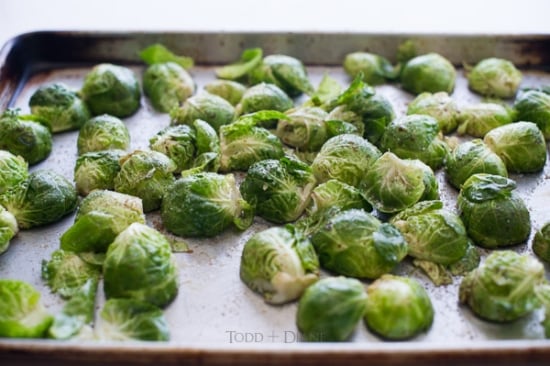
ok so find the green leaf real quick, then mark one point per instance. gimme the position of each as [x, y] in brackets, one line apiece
[157, 53]
[250, 58]
[437, 273]
[328, 89]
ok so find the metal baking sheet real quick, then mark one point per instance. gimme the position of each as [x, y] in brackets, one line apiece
[215, 318]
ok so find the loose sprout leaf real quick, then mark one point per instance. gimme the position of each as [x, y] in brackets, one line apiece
[356, 93]
[250, 58]
[328, 89]
[158, 53]
[178, 245]
[484, 187]
[437, 273]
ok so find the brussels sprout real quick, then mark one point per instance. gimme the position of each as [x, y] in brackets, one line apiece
[470, 158]
[101, 216]
[111, 89]
[123, 319]
[204, 106]
[279, 263]
[205, 204]
[147, 175]
[287, 72]
[493, 214]
[534, 106]
[243, 143]
[541, 243]
[22, 136]
[157, 54]
[333, 193]
[45, 197]
[398, 308]
[304, 129]
[502, 288]
[428, 73]
[139, 265]
[8, 228]
[22, 315]
[439, 106]
[520, 145]
[178, 143]
[227, 89]
[345, 158]
[103, 133]
[264, 97]
[356, 244]
[13, 170]
[467, 263]
[375, 69]
[415, 137]
[494, 77]
[478, 119]
[330, 309]
[167, 85]
[250, 58]
[342, 113]
[432, 233]
[97, 170]
[58, 107]
[278, 189]
[393, 184]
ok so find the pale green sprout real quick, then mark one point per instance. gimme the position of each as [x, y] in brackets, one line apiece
[210, 108]
[304, 128]
[97, 170]
[8, 228]
[262, 97]
[103, 132]
[227, 89]
[374, 68]
[13, 170]
[534, 106]
[439, 106]
[541, 242]
[478, 119]
[428, 73]
[494, 77]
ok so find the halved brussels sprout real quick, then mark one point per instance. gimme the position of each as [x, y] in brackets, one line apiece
[262, 97]
[60, 108]
[356, 244]
[534, 106]
[147, 175]
[103, 133]
[478, 119]
[398, 308]
[375, 68]
[167, 85]
[204, 106]
[541, 243]
[428, 73]
[280, 189]
[520, 145]
[8, 228]
[178, 143]
[346, 158]
[494, 215]
[305, 128]
[22, 315]
[227, 89]
[470, 158]
[13, 170]
[205, 204]
[139, 265]
[330, 309]
[439, 106]
[111, 89]
[494, 77]
[502, 288]
[45, 197]
[97, 170]
[279, 263]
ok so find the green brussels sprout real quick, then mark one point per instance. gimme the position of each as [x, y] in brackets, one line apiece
[375, 69]
[520, 145]
[393, 184]
[65, 273]
[204, 106]
[58, 107]
[398, 308]
[22, 315]
[280, 189]
[101, 216]
[428, 73]
[243, 143]
[502, 288]
[103, 133]
[534, 106]
[139, 265]
[494, 77]
[129, 319]
[470, 158]
[111, 89]
[467, 263]
[287, 72]
[493, 214]
[330, 309]
[305, 128]
[45, 197]
[541, 243]
[415, 137]
[227, 89]
[478, 119]
[346, 158]
[205, 204]
[8, 228]
[178, 143]
[279, 263]
[336, 194]
[13, 170]
[262, 97]
[167, 85]
[432, 233]
[97, 170]
[356, 244]
[342, 113]
[147, 175]
[23, 136]
[439, 106]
